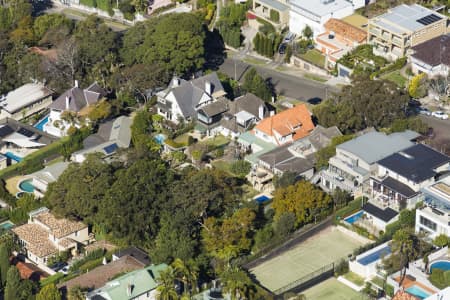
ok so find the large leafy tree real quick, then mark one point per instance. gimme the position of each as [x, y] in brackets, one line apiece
[303, 199]
[4, 263]
[49, 292]
[166, 288]
[174, 42]
[12, 289]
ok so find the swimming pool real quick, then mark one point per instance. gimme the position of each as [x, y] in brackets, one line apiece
[418, 292]
[7, 225]
[372, 257]
[14, 157]
[26, 186]
[262, 199]
[160, 138]
[355, 217]
[442, 264]
[40, 125]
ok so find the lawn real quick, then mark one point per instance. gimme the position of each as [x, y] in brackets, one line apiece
[315, 57]
[223, 165]
[355, 278]
[324, 248]
[331, 289]
[216, 142]
[396, 77]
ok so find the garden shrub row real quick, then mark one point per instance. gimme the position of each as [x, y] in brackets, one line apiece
[352, 207]
[397, 65]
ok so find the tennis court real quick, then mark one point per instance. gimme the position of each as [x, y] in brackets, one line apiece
[331, 289]
[322, 249]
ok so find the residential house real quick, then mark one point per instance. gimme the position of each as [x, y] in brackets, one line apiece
[45, 236]
[376, 218]
[338, 39]
[298, 157]
[137, 285]
[285, 127]
[134, 252]
[98, 277]
[400, 176]
[17, 140]
[182, 99]
[233, 117]
[42, 178]
[268, 9]
[76, 102]
[315, 13]
[403, 27]
[432, 57]
[25, 101]
[433, 217]
[111, 136]
[356, 159]
[367, 263]
[3, 161]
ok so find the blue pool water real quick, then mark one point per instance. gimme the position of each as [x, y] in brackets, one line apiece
[353, 218]
[13, 156]
[262, 199]
[418, 292]
[443, 265]
[26, 186]
[374, 256]
[40, 125]
[160, 138]
[7, 225]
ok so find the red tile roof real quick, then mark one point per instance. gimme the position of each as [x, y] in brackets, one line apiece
[346, 30]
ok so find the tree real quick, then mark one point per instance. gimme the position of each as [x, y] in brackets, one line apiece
[101, 111]
[340, 197]
[12, 289]
[285, 224]
[166, 288]
[303, 199]
[241, 168]
[237, 283]
[76, 293]
[256, 84]
[288, 178]
[4, 263]
[307, 32]
[417, 87]
[49, 292]
[441, 240]
[186, 273]
[405, 246]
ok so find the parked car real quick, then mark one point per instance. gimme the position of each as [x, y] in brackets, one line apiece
[58, 266]
[440, 115]
[424, 111]
[339, 178]
[282, 48]
[64, 270]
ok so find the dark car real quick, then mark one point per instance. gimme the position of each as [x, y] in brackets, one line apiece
[282, 48]
[58, 266]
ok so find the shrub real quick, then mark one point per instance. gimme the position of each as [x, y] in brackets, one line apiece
[440, 278]
[389, 290]
[352, 207]
[240, 168]
[90, 265]
[274, 16]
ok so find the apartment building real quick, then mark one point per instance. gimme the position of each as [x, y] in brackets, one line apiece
[403, 27]
[434, 217]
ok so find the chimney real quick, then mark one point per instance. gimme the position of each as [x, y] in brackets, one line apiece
[208, 87]
[67, 102]
[76, 83]
[129, 289]
[176, 81]
[261, 112]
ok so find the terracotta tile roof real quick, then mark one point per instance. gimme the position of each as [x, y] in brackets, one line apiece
[29, 271]
[36, 238]
[99, 276]
[295, 120]
[59, 227]
[67, 242]
[346, 30]
[402, 295]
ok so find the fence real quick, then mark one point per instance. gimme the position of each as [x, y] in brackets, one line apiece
[306, 281]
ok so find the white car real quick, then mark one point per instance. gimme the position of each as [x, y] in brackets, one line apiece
[440, 115]
[424, 111]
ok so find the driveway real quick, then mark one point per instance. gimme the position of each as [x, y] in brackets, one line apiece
[441, 139]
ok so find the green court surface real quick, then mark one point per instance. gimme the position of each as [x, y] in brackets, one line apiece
[331, 289]
[324, 248]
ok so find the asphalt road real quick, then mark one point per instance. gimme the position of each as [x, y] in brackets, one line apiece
[285, 84]
[441, 129]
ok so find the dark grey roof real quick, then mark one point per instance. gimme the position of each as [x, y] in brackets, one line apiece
[214, 108]
[78, 98]
[385, 215]
[283, 160]
[16, 126]
[321, 137]
[434, 52]
[138, 254]
[100, 137]
[250, 103]
[417, 163]
[374, 146]
[399, 187]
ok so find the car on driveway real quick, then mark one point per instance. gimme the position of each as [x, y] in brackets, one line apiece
[282, 48]
[424, 111]
[58, 266]
[440, 115]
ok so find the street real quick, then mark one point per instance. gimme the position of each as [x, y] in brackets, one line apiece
[285, 84]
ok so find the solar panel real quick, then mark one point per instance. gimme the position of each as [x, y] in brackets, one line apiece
[5, 130]
[111, 148]
[430, 19]
[25, 132]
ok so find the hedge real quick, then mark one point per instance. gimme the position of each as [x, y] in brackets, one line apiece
[55, 278]
[397, 65]
[352, 207]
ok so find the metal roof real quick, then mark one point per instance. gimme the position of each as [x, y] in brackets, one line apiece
[24, 96]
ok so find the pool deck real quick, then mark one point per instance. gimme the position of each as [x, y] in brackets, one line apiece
[12, 184]
[407, 283]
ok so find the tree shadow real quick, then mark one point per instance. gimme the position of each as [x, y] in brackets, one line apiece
[40, 6]
[214, 50]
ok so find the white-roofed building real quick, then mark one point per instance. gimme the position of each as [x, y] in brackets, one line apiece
[25, 101]
[315, 13]
[42, 178]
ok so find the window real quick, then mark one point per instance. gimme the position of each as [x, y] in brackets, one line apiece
[427, 223]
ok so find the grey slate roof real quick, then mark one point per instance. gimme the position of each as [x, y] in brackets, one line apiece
[399, 187]
[321, 137]
[214, 108]
[250, 103]
[416, 163]
[136, 253]
[434, 52]
[78, 98]
[374, 146]
[385, 215]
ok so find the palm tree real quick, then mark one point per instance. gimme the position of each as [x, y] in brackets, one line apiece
[406, 246]
[236, 282]
[186, 273]
[166, 288]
